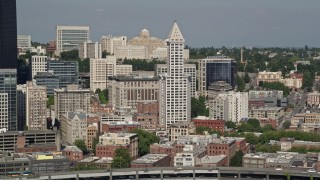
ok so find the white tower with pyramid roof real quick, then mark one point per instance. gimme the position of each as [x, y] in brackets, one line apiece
[175, 86]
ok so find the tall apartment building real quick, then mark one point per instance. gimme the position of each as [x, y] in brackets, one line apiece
[109, 142]
[24, 41]
[265, 76]
[151, 43]
[230, 106]
[101, 69]
[71, 99]
[8, 99]
[74, 127]
[67, 71]
[49, 80]
[109, 43]
[213, 69]
[36, 106]
[70, 37]
[90, 50]
[38, 64]
[188, 69]
[175, 87]
[126, 91]
[21, 105]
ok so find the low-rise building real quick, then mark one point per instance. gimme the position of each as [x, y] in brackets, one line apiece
[265, 76]
[43, 163]
[117, 127]
[216, 125]
[212, 161]
[103, 163]
[152, 160]
[190, 155]
[147, 115]
[297, 119]
[313, 99]
[225, 146]
[109, 142]
[73, 153]
[181, 129]
[13, 163]
[312, 118]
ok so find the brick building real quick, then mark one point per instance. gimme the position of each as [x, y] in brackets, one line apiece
[222, 146]
[216, 125]
[109, 142]
[73, 153]
[147, 115]
[117, 127]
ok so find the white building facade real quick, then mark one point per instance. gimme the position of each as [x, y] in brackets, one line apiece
[90, 50]
[175, 86]
[38, 64]
[109, 43]
[70, 37]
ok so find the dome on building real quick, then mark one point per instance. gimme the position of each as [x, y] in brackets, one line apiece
[144, 33]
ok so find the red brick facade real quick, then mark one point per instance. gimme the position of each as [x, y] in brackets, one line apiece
[217, 125]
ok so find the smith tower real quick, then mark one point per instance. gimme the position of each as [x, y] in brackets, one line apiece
[175, 103]
[8, 64]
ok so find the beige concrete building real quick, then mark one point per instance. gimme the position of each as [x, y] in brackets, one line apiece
[267, 112]
[90, 50]
[109, 43]
[265, 76]
[292, 82]
[126, 91]
[92, 132]
[312, 118]
[38, 64]
[180, 130]
[101, 69]
[36, 106]
[109, 142]
[131, 52]
[73, 127]
[146, 40]
[71, 99]
[313, 99]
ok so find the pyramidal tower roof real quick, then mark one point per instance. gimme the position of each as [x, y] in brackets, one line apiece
[175, 33]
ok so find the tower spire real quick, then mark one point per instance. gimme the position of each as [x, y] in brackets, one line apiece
[175, 33]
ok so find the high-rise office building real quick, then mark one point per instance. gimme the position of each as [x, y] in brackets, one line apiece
[24, 41]
[213, 69]
[21, 105]
[49, 80]
[70, 37]
[38, 64]
[36, 107]
[8, 34]
[67, 71]
[175, 86]
[8, 99]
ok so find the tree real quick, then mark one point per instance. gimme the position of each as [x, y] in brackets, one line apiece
[251, 138]
[267, 127]
[67, 55]
[246, 78]
[122, 158]
[98, 91]
[81, 145]
[201, 129]
[275, 86]
[231, 124]
[240, 84]
[198, 107]
[286, 124]
[50, 101]
[105, 54]
[146, 138]
[95, 141]
[236, 160]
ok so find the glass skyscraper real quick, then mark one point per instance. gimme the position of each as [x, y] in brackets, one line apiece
[67, 71]
[8, 34]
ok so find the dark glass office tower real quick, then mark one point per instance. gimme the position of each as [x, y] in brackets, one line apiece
[8, 34]
[221, 70]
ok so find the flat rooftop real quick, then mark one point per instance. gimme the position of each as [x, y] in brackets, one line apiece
[149, 158]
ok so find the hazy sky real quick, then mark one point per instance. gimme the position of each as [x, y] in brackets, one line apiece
[285, 23]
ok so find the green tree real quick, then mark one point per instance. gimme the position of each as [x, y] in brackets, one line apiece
[50, 101]
[105, 54]
[201, 129]
[67, 55]
[122, 158]
[236, 160]
[95, 141]
[81, 145]
[251, 138]
[146, 138]
[98, 91]
[267, 127]
[300, 150]
[231, 124]
[286, 124]
[276, 86]
[240, 84]
[198, 107]
[267, 148]
[246, 78]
